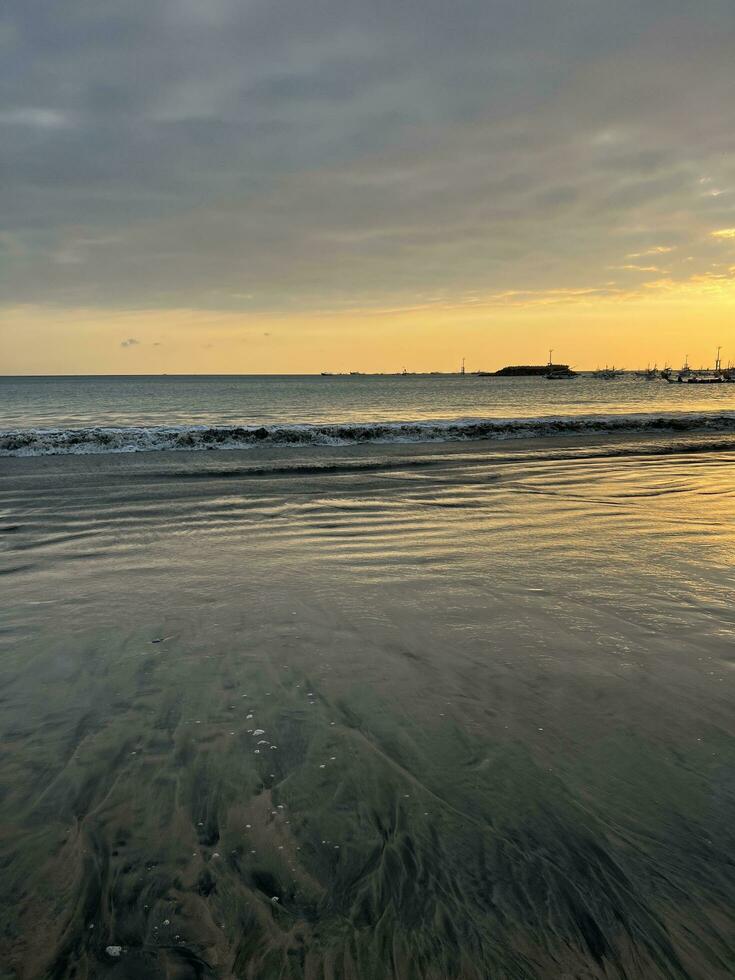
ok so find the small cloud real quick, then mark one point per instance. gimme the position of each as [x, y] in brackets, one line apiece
[74, 251]
[266, 334]
[656, 250]
[661, 284]
[157, 343]
[639, 268]
[723, 233]
[35, 118]
[68, 255]
[130, 342]
[609, 137]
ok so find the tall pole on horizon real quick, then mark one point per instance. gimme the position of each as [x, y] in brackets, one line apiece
[551, 351]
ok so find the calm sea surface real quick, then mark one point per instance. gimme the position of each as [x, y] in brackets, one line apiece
[234, 400]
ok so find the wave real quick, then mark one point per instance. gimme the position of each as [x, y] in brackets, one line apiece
[133, 439]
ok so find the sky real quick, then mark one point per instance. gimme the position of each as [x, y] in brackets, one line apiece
[244, 186]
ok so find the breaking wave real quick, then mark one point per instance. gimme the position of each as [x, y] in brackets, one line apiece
[132, 439]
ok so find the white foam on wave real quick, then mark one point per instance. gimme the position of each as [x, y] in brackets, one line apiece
[134, 439]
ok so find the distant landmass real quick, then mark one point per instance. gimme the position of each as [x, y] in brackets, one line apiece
[523, 370]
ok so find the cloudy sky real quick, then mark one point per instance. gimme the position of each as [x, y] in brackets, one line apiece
[305, 184]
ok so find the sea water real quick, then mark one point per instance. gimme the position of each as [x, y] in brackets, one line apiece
[50, 415]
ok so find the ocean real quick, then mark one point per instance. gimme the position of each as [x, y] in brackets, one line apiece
[51, 415]
[434, 681]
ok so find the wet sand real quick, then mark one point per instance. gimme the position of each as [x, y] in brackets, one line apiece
[387, 712]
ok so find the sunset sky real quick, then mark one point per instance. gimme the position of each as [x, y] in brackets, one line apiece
[250, 186]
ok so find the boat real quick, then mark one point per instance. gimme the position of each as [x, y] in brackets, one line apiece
[717, 376]
[727, 374]
[698, 378]
[606, 373]
[701, 379]
[560, 372]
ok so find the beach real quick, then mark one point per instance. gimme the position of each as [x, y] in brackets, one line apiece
[448, 711]
[367, 491]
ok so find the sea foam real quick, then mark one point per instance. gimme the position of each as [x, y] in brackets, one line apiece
[133, 439]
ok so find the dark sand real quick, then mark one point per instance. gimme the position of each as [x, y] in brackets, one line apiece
[416, 712]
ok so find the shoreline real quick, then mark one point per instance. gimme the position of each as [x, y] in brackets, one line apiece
[134, 439]
[316, 457]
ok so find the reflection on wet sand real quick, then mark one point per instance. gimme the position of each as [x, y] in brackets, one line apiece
[419, 715]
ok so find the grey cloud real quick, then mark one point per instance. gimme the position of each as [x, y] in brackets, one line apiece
[130, 342]
[35, 118]
[274, 155]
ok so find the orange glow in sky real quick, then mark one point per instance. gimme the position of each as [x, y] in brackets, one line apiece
[295, 187]
[661, 324]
